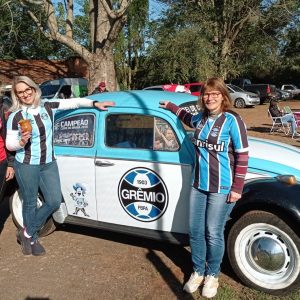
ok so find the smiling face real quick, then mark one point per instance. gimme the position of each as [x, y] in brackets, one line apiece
[213, 101]
[215, 97]
[169, 134]
[25, 93]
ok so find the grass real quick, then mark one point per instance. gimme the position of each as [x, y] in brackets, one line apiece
[228, 292]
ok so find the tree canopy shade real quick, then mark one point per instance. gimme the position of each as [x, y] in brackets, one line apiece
[19, 37]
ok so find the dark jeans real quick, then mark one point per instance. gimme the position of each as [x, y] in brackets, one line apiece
[3, 167]
[30, 178]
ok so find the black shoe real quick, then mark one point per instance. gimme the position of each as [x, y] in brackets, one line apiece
[24, 242]
[37, 249]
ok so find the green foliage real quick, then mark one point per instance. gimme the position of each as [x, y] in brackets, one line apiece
[130, 45]
[198, 39]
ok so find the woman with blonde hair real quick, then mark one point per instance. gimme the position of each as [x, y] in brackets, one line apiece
[35, 164]
[221, 160]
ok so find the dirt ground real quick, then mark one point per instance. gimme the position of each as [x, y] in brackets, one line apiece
[84, 263]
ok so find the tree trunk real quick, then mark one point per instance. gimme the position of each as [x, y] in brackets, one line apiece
[101, 68]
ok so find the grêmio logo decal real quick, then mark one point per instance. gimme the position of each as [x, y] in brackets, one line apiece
[143, 194]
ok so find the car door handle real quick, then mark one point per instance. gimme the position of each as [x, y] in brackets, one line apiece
[103, 163]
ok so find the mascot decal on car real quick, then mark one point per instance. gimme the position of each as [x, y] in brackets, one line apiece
[79, 197]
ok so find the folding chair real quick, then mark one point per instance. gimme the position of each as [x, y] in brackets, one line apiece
[287, 110]
[279, 125]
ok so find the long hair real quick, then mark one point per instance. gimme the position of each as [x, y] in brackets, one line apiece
[273, 103]
[16, 103]
[215, 84]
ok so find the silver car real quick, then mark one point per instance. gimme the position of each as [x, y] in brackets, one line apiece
[242, 98]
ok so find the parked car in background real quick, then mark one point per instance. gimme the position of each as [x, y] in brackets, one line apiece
[195, 88]
[5, 96]
[241, 98]
[64, 88]
[178, 88]
[118, 175]
[284, 95]
[292, 89]
[265, 91]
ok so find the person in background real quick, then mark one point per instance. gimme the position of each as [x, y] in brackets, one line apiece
[101, 88]
[275, 111]
[221, 160]
[35, 164]
[6, 157]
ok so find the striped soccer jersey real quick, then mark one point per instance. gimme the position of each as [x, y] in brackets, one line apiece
[39, 149]
[218, 143]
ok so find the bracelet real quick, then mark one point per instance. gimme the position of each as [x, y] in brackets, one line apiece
[94, 102]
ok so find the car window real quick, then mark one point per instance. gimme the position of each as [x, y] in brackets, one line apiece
[236, 88]
[49, 90]
[76, 131]
[65, 92]
[195, 88]
[140, 132]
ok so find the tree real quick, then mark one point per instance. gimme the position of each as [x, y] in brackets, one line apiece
[130, 45]
[17, 39]
[232, 37]
[106, 20]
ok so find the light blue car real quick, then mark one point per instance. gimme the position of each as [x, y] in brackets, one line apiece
[129, 169]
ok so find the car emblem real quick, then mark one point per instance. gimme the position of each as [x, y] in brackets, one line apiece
[143, 194]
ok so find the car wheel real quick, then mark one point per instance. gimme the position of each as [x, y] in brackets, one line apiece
[239, 103]
[16, 212]
[265, 253]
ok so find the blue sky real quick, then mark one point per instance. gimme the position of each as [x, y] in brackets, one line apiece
[155, 8]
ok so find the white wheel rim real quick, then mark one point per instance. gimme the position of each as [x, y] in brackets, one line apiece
[17, 207]
[278, 278]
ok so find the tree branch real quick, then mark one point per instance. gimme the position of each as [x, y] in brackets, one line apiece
[115, 14]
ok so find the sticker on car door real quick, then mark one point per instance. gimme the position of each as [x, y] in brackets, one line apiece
[143, 194]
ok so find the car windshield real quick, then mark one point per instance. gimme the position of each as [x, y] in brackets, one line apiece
[236, 88]
[49, 90]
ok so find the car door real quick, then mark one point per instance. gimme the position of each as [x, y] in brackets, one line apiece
[75, 147]
[143, 170]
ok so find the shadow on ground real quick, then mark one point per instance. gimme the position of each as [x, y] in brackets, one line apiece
[259, 129]
[179, 255]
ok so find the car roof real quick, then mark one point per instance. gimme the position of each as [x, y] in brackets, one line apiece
[153, 86]
[66, 80]
[143, 98]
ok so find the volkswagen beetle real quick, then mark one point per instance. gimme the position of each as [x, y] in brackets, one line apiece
[118, 174]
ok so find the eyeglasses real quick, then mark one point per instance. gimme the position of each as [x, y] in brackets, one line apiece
[27, 91]
[212, 95]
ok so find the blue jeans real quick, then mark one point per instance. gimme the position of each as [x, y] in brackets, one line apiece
[30, 178]
[208, 215]
[291, 119]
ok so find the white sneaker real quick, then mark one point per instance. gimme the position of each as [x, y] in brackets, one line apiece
[296, 135]
[193, 283]
[210, 287]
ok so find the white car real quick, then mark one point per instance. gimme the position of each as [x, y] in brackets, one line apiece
[291, 88]
[242, 98]
[177, 88]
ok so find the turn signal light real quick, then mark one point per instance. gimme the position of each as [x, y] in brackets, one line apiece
[289, 179]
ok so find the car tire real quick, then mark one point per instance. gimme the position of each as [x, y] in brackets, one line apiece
[15, 204]
[249, 245]
[239, 103]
